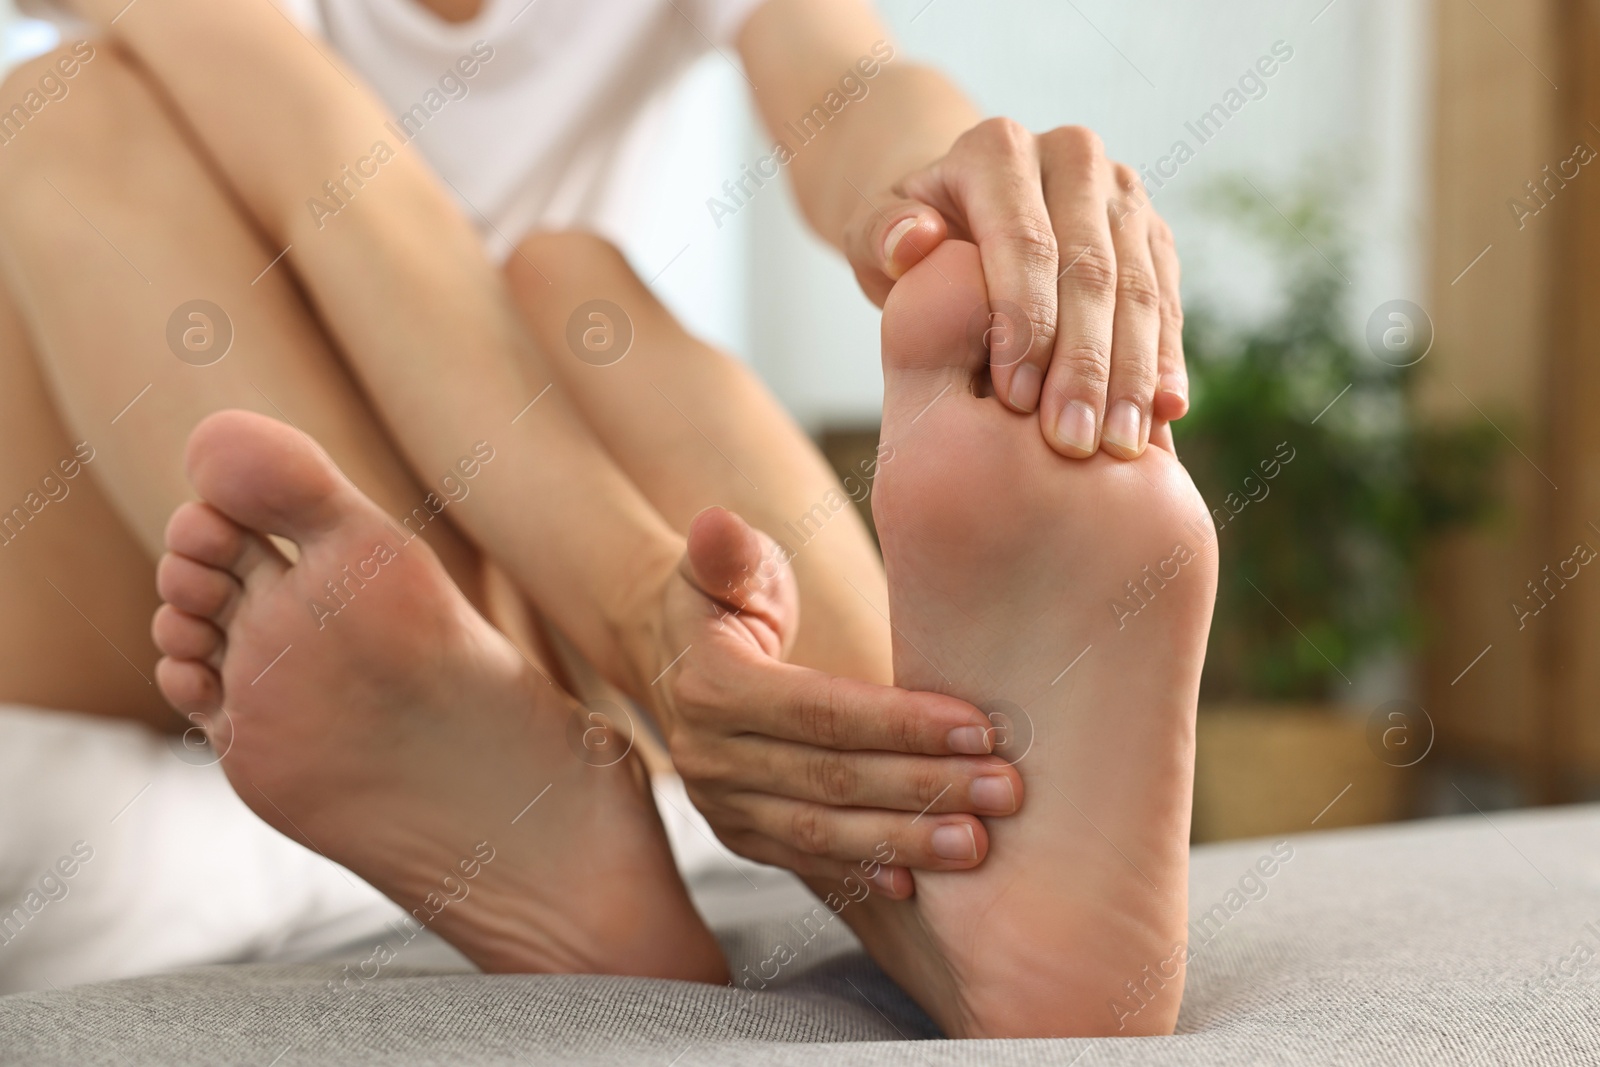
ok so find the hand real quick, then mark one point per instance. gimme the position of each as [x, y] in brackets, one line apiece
[1070, 240]
[794, 767]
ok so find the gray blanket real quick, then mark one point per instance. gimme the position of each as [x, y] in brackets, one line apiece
[1453, 941]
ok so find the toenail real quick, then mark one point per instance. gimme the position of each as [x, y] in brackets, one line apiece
[1122, 427]
[1075, 427]
[969, 741]
[1025, 386]
[993, 793]
[955, 842]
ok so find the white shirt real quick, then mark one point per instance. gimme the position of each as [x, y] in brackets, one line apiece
[553, 127]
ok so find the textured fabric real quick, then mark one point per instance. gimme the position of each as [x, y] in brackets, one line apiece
[135, 856]
[123, 853]
[1457, 941]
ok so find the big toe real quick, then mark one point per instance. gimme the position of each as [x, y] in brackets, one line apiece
[265, 475]
[725, 554]
[937, 321]
[734, 562]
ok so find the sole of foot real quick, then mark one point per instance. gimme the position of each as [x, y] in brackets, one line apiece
[1071, 599]
[363, 707]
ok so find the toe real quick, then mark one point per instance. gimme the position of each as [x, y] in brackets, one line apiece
[266, 476]
[938, 321]
[731, 561]
[204, 535]
[183, 636]
[197, 589]
[189, 686]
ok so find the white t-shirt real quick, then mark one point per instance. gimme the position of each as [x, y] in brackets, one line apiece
[540, 114]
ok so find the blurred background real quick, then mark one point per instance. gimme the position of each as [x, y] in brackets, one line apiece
[1387, 353]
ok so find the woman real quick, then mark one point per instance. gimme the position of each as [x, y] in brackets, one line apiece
[174, 152]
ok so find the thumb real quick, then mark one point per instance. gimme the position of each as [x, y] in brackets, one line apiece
[746, 572]
[889, 239]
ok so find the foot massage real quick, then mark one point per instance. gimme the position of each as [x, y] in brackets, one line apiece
[424, 647]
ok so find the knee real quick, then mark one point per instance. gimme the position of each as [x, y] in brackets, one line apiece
[554, 273]
[77, 104]
[574, 244]
[580, 257]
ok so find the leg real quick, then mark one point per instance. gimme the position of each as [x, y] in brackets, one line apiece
[430, 329]
[73, 555]
[446, 783]
[1006, 564]
[423, 319]
[429, 758]
[552, 517]
[693, 428]
[109, 222]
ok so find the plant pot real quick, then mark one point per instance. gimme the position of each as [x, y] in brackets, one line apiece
[1268, 769]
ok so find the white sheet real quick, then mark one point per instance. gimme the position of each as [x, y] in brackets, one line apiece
[169, 869]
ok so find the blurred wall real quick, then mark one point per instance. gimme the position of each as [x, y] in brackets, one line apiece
[19, 38]
[1513, 674]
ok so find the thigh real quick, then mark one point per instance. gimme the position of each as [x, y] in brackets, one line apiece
[153, 302]
[693, 427]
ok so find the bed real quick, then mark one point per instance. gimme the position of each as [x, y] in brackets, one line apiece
[1472, 939]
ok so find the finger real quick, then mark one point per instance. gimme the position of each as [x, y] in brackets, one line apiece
[978, 785]
[886, 240]
[1161, 436]
[849, 880]
[1172, 388]
[1076, 184]
[1136, 330]
[930, 843]
[990, 182]
[838, 884]
[830, 712]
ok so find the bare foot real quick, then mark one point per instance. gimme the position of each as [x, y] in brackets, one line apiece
[365, 709]
[1009, 585]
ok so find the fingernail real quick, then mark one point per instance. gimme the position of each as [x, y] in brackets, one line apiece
[1026, 383]
[993, 793]
[1122, 427]
[884, 880]
[1075, 427]
[896, 234]
[969, 741]
[955, 842]
[1173, 385]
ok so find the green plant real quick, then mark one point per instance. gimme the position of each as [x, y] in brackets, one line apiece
[1323, 512]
